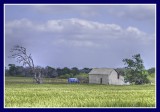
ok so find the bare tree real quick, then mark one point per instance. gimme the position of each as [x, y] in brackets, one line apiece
[20, 54]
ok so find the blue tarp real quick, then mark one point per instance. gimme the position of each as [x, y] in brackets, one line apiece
[73, 80]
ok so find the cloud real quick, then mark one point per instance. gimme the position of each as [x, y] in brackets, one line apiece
[69, 39]
[77, 30]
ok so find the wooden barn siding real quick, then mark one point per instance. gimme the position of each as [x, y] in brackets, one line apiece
[95, 79]
[121, 81]
[114, 80]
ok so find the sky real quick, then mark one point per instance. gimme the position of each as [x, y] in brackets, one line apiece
[81, 36]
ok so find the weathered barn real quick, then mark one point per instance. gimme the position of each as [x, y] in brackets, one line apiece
[106, 76]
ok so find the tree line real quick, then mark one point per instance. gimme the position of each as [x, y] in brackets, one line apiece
[48, 71]
[131, 75]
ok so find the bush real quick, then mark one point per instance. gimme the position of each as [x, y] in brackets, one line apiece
[66, 76]
[82, 77]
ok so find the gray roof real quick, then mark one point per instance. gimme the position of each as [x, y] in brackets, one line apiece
[101, 71]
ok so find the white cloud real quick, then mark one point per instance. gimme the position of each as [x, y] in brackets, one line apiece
[134, 31]
[78, 32]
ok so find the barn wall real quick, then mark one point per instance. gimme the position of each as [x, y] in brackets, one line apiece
[114, 80]
[96, 78]
[105, 79]
[121, 80]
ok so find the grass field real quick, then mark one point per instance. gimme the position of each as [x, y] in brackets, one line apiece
[21, 92]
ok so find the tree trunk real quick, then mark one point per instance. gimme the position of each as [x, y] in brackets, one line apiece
[38, 78]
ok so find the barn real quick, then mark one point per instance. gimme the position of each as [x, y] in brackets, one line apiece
[106, 76]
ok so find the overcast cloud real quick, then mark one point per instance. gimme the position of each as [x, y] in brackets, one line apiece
[83, 35]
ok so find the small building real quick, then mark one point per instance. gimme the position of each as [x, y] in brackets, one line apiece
[106, 76]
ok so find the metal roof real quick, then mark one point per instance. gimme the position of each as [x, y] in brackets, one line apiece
[101, 71]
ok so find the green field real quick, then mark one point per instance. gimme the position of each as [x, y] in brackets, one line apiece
[21, 92]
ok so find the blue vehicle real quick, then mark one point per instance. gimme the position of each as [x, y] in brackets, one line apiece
[73, 80]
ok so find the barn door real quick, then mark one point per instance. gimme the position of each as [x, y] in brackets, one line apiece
[100, 80]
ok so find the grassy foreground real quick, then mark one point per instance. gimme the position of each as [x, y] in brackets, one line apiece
[19, 93]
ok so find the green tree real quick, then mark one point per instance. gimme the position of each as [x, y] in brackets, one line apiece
[50, 72]
[151, 73]
[75, 71]
[20, 71]
[65, 70]
[135, 72]
[12, 69]
[6, 71]
[151, 70]
[66, 76]
[82, 77]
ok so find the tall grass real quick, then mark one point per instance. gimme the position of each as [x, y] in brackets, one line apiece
[77, 95]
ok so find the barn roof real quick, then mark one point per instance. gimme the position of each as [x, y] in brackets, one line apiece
[101, 71]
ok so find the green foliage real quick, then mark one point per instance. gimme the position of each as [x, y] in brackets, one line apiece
[47, 71]
[151, 77]
[50, 72]
[136, 63]
[135, 72]
[74, 71]
[83, 77]
[66, 76]
[77, 95]
[12, 69]
[151, 70]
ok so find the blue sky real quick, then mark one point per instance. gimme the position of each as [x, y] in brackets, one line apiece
[81, 35]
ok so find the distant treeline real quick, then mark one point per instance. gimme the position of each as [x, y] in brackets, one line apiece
[52, 72]
[47, 71]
